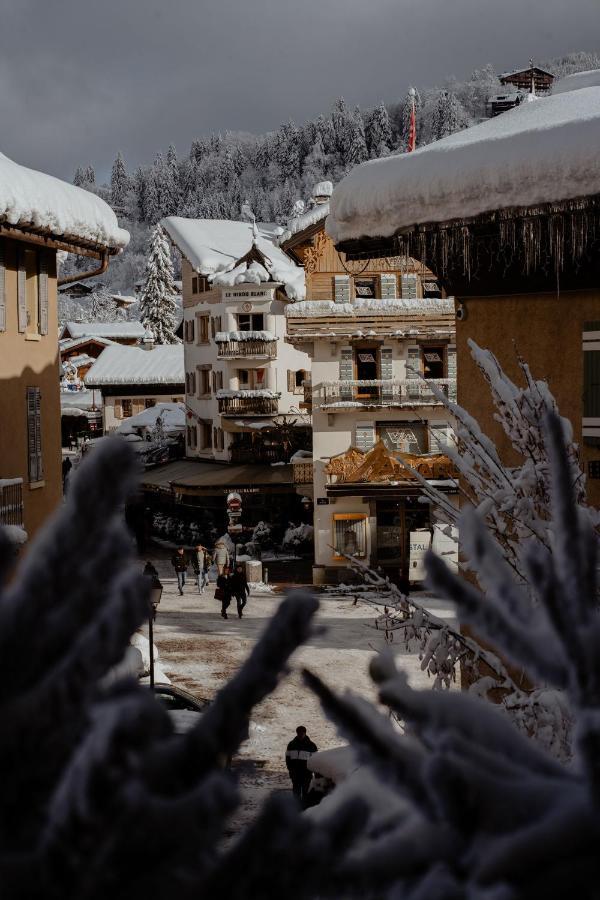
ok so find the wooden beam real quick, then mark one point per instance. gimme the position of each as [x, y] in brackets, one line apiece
[44, 238]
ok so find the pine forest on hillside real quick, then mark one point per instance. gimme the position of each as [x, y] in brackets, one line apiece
[273, 172]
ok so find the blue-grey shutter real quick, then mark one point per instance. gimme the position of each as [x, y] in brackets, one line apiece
[438, 437]
[342, 288]
[451, 367]
[365, 436]
[409, 287]
[34, 433]
[2, 289]
[413, 370]
[591, 384]
[22, 294]
[43, 293]
[388, 287]
[386, 374]
[346, 372]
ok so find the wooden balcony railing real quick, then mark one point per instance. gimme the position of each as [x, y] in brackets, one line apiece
[257, 349]
[357, 394]
[241, 405]
[11, 501]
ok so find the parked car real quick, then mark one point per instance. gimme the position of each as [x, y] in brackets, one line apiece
[184, 708]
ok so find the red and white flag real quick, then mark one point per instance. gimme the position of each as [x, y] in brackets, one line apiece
[412, 128]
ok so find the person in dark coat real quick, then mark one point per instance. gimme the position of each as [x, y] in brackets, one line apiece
[179, 563]
[223, 590]
[239, 588]
[297, 755]
[67, 465]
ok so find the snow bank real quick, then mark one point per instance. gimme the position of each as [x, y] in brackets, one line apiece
[134, 365]
[35, 200]
[578, 80]
[110, 330]
[536, 153]
[214, 248]
[15, 534]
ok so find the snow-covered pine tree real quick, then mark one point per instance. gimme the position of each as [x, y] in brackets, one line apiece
[378, 132]
[287, 150]
[171, 192]
[103, 307]
[157, 303]
[356, 148]
[119, 182]
[341, 122]
[449, 116]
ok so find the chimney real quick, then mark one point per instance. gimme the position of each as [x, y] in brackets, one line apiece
[148, 340]
[322, 192]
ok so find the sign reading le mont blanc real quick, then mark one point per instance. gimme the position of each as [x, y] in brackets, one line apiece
[258, 294]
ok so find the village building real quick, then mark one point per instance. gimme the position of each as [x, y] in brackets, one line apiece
[244, 383]
[520, 86]
[380, 335]
[126, 333]
[39, 215]
[131, 379]
[508, 215]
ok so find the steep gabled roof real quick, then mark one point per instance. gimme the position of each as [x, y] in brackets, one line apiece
[134, 365]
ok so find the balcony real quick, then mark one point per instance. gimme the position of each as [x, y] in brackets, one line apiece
[246, 345]
[11, 501]
[383, 394]
[247, 403]
[243, 454]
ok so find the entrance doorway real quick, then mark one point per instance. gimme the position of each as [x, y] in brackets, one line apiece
[396, 519]
[366, 368]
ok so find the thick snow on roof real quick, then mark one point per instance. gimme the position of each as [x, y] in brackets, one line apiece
[33, 199]
[575, 82]
[65, 344]
[134, 365]
[425, 306]
[112, 330]
[316, 214]
[214, 246]
[536, 153]
[172, 416]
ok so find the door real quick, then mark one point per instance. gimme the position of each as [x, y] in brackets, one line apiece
[366, 369]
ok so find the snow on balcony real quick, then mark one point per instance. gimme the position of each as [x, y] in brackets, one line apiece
[353, 394]
[423, 306]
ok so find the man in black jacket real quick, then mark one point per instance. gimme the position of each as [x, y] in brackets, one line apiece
[297, 755]
[180, 564]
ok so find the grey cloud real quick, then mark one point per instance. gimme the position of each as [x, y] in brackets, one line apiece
[79, 81]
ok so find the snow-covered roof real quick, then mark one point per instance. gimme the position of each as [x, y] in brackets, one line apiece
[112, 330]
[316, 214]
[420, 306]
[172, 416]
[34, 200]
[323, 189]
[123, 298]
[525, 71]
[575, 82]
[80, 401]
[215, 246]
[533, 154]
[135, 365]
[70, 343]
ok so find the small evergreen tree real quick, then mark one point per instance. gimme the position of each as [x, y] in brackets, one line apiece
[449, 116]
[119, 182]
[378, 132]
[103, 307]
[355, 150]
[157, 305]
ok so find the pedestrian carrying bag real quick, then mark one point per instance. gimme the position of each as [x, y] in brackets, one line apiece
[219, 594]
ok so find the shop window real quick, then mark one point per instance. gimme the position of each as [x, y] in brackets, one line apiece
[192, 437]
[349, 535]
[433, 362]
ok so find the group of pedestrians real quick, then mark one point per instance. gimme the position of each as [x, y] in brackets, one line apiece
[230, 583]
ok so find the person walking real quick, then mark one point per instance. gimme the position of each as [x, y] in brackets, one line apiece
[200, 559]
[239, 588]
[179, 563]
[223, 591]
[298, 752]
[221, 557]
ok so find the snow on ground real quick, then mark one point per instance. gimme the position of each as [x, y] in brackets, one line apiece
[541, 152]
[201, 651]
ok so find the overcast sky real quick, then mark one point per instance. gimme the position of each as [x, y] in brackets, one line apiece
[81, 80]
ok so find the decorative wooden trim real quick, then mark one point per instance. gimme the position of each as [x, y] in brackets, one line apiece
[315, 252]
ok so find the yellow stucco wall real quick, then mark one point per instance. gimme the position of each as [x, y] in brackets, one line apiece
[30, 363]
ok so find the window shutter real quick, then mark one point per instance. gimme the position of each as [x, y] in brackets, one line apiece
[409, 287]
[591, 384]
[342, 288]
[43, 293]
[451, 372]
[213, 328]
[413, 369]
[365, 436]
[386, 374]
[439, 439]
[291, 381]
[388, 287]
[22, 293]
[346, 372]
[2, 290]
[34, 433]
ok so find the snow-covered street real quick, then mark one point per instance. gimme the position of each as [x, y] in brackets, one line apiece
[200, 651]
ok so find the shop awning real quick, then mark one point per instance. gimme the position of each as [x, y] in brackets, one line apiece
[188, 476]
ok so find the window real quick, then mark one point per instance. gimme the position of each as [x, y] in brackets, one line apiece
[32, 299]
[364, 288]
[295, 381]
[126, 408]
[149, 402]
[243, 377]
[192, 437]
[190, 383]
[433, 362]
[350, 535]
[34, 434]
[189, 331]
[251, 322]
[203, 326]
[204, 384]
[220, 439]
[194, 284]
[409, 287]
[206, 436]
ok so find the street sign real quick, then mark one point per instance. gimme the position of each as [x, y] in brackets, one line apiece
[322, 501]
[234, 529]
[234, 514]
[234, 506]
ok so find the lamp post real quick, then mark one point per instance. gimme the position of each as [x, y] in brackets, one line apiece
[155, 595]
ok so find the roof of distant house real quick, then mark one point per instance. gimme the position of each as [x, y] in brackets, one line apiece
[540, 152]
[172, 416]
[216, 247]
[135, 365]
[88, 287]
[65, 344]
[312, 216]
[113, 330]
[39, 202]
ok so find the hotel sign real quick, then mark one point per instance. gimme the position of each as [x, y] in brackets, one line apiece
[248, 294]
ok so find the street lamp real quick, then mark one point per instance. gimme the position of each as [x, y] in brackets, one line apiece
[155, 595]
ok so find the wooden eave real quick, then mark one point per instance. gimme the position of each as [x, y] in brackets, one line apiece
[43, 237]
[302, 237]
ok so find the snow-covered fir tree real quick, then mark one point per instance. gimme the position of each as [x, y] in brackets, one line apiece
[449, 116]
[356, 147]
[378, 132]
[119, 182]
[103, 307]
[157, 304]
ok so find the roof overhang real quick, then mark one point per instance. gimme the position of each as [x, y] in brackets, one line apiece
[44, 238]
